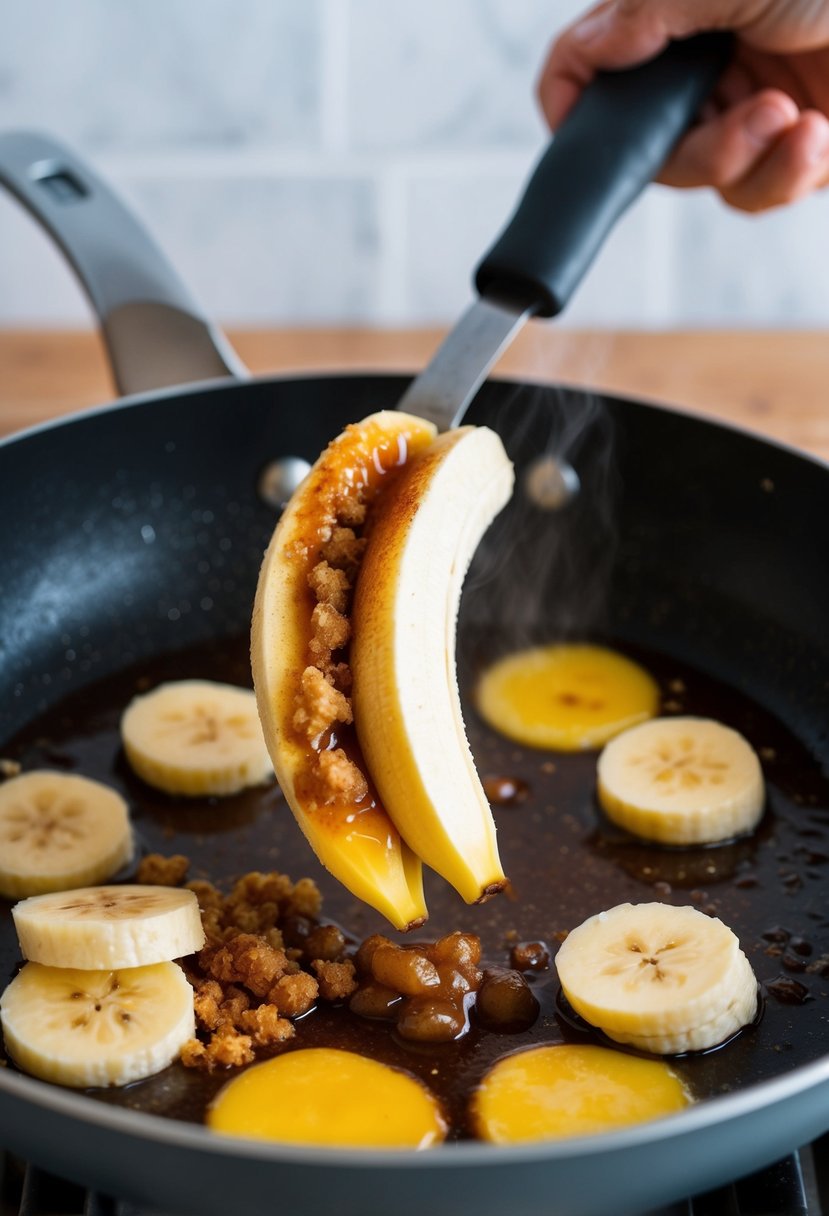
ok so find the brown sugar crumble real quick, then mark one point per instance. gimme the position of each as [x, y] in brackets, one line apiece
[268, 960]
[158, 871]
[322, 700]
[253, 975]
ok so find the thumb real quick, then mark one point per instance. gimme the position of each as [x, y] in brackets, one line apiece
[621, 33]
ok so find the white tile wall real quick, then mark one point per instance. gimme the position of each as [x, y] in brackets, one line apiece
[329, 161]
[165, 75]
[446, 74]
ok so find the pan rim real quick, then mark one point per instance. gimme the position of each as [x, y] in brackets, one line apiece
[224, 384]
[138, 1125]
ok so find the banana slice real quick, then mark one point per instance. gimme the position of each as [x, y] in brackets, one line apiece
[681, 781]
[109, 927]
[660, 978]
[197, 738]
[82, 1028]
[299, 640]
[566, 697]
[59, 831]
[407, 709]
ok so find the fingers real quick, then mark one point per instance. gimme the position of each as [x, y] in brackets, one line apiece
[620, 33]
[762, 153]
[726, 149]
[797, 164]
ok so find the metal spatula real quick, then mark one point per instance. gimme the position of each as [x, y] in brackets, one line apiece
[610, 147]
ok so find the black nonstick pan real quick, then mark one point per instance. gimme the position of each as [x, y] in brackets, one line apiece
[131, 546]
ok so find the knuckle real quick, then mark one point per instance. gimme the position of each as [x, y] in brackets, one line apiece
[632, 9]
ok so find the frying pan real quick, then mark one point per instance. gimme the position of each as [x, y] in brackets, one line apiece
[135, 532]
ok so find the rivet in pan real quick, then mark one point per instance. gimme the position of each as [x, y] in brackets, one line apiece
[280, 478]
[550, 482]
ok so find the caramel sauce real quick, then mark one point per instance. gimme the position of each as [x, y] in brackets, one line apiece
[505, 791]
[565, 862]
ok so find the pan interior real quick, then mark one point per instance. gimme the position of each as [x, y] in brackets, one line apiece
[681, 550]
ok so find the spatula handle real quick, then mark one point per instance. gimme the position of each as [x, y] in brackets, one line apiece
[610, 147]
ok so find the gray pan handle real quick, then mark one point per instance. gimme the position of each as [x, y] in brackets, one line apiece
[155, 333]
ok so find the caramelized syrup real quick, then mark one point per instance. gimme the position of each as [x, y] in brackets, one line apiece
[564, 860]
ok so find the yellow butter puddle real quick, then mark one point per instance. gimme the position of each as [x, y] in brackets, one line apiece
[324, 1096]
[566, 697]
[550, 1093]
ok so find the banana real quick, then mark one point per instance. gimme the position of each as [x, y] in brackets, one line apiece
[82, 1028]
[566, 697]
[406, 704]
[299, 635]
[109, 927]
[661, 978]
[681, 781]
[59, 831]
[197, 738]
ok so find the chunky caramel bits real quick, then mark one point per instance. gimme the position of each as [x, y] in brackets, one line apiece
[425, 990]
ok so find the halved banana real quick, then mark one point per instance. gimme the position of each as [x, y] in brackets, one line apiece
[58, 831]
[82, 1028]
[681, 781]
[109, 927]
[407, 711]
[661, 978]
[197, 738]
[299, 640]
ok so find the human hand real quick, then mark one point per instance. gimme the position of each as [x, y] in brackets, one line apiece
[763, 138]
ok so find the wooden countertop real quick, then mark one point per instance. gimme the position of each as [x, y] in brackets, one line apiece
[772, 382]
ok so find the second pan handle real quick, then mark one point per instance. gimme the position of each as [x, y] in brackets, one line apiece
[608, 149]
[155, 333]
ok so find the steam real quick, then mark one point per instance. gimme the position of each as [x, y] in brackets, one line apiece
[544, 575]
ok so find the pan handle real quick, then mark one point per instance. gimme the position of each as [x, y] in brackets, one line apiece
[155, 333]
[609, 148]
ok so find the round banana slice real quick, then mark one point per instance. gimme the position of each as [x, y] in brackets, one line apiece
[566, 697]
[197, 738]
[661, 978]
[82, 1028]
[59, 831]
[109, 927]
[681, 781]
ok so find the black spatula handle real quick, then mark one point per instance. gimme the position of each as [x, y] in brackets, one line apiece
[609, 148]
